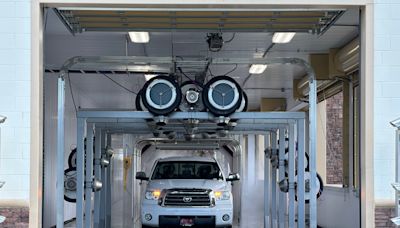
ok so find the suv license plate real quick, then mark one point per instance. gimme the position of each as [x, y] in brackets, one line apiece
[187, 222]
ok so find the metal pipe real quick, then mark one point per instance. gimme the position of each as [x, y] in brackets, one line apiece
[60, 152]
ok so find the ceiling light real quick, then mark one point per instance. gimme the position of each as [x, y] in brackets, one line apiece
[149, 76]
[139, 37]
[283, 37]
[257, 68]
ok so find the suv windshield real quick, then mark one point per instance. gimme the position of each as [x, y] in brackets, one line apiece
[186, 170]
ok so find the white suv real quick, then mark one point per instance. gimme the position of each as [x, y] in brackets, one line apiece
[187, 192]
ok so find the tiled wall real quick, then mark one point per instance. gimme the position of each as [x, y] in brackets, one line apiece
[15, 52]
[387, 93]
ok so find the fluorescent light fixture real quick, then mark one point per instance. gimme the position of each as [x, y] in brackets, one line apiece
[149, 76]
[282, 37]
[257, 68]
[139, 37]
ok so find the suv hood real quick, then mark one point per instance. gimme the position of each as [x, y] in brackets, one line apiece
[188, 183]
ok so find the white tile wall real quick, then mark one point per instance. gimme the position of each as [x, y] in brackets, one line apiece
[15, 98]
[387, 93]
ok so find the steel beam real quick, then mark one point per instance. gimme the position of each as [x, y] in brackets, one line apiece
[104, 180]
[108, 193]
[292, 167]
[267, 182]
[274, 187]
[282, 195]
[300, 174]
[130, 115]
[80, 158]
[89, 176]
[97, 174]
[60, 152]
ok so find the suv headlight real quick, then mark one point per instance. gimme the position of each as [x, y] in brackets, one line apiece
[222, 195]
[153, 195]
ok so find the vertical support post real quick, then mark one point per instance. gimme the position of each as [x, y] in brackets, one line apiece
[97, 174]
[251, 160]
[89, 177]
[80, 157]
[291, 160]
[274, 216]
[267, 182]
[300, 174]
[397, 170]
[108, 194]
[282, 196]
[313, 149]
[60, 151]
[103, 204]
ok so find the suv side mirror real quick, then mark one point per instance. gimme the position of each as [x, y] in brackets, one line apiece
[233, 177]
[141, 176]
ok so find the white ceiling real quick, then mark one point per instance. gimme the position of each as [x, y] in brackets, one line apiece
[96, 91]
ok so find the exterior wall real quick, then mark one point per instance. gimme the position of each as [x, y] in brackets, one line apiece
[387, 94]
[15, 45]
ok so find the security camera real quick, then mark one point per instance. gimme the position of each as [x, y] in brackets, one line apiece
[2, 119]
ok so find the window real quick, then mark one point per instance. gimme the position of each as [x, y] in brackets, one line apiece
[187, 170]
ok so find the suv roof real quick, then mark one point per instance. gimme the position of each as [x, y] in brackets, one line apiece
[188, 158]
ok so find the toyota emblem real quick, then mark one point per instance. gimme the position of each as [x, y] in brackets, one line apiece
[187, 199]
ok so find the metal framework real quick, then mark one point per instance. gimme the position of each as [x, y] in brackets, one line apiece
[78, 20]
[275, 125]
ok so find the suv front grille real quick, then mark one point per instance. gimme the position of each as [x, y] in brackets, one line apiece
[188, 198]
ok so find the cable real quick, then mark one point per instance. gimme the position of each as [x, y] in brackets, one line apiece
[265, 54]
[232, 70]
[230, 40]
[209, 70]
[72, 94]
[45, 20]
[193, 81]
[119, 84]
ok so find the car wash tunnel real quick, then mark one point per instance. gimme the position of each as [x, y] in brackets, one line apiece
[209, 117]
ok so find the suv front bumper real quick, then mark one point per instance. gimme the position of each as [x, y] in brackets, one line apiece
[201, 215]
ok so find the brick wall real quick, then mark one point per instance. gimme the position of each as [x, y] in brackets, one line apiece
[15, 49]
[16, 217]
[383, 214]
[334, 145]
[386, 94]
